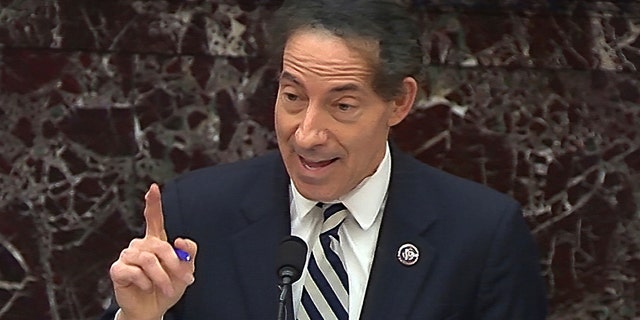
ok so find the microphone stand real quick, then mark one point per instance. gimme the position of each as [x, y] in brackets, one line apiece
[285, 287]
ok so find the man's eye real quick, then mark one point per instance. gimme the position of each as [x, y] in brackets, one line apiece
[344, 107]
[290, 96]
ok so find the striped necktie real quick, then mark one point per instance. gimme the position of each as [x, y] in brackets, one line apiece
[326, 288]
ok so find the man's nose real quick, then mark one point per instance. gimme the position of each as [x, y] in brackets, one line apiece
[312, 130]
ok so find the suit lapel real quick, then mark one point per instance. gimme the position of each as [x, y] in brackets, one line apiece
[266, 211]
[392, 286]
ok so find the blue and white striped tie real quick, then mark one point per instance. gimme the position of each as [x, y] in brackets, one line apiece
[326, 289]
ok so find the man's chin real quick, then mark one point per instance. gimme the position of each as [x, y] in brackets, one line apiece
[322, 193]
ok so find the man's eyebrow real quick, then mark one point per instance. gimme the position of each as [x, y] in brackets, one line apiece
[346, 87]
[288, 76]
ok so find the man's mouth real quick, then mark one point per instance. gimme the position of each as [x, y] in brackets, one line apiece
[315, 165]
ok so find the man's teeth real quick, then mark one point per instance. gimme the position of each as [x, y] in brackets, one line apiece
[314, 165]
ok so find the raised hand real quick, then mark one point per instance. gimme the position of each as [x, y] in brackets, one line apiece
[148, 278]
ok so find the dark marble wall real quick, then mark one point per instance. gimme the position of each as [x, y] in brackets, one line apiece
[539, 99]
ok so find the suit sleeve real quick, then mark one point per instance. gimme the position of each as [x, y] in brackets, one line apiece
[511, 283]
[110, 313]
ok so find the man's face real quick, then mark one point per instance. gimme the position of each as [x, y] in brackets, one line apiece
[331, 126]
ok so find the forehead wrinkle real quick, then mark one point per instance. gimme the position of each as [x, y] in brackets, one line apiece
[350, 86]
[333, 71]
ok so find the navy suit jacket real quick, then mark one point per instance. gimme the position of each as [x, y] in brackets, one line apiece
[477, 259]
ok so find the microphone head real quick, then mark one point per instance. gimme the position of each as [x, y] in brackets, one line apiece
[292, 253]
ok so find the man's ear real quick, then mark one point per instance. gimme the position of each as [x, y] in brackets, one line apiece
[402, 104]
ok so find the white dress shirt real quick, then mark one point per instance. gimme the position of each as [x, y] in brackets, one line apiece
[358, 234]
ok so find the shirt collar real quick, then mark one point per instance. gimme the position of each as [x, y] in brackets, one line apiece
[364, 201]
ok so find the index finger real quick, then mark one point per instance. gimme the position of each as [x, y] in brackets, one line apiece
[153, 216]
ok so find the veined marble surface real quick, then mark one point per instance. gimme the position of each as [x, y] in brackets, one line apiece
[538, 99]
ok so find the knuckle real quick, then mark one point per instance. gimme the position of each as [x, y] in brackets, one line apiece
[146, 288]
[136, 242]
[157, 246]
[115, 268]
[118, 272]
[128, 254]
[147, 258]
[124, 253]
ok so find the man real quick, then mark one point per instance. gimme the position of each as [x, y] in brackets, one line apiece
[416, 243]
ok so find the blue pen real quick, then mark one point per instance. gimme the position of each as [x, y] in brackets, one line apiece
[182, 255]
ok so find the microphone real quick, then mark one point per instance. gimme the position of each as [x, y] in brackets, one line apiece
[292, 254]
